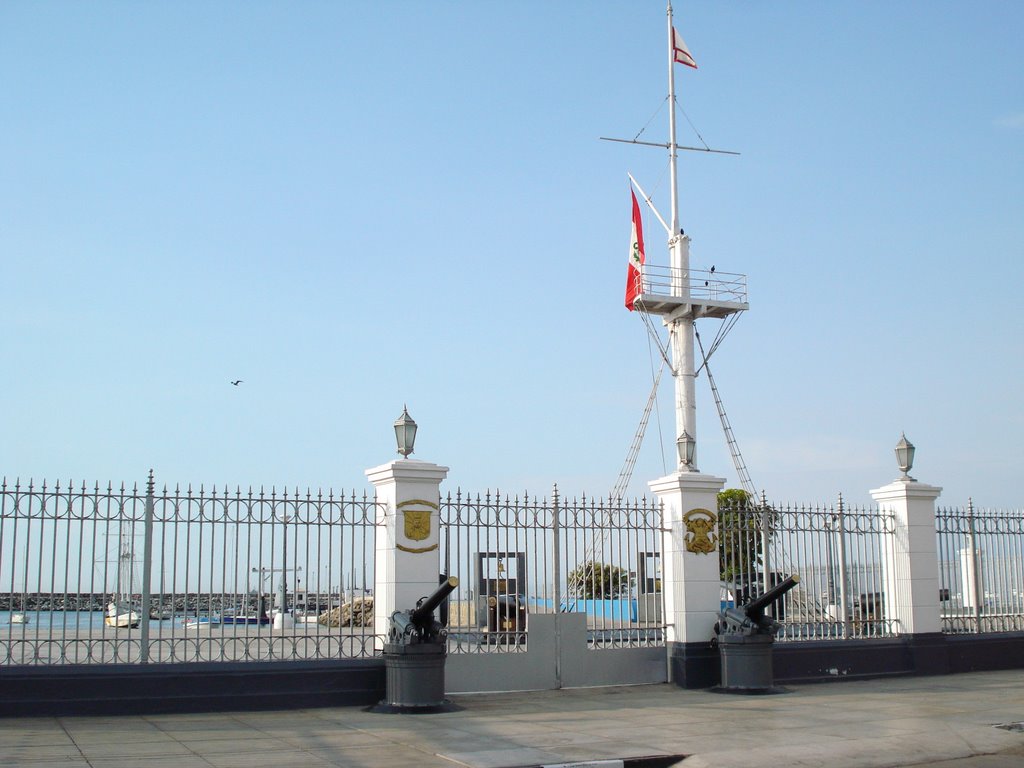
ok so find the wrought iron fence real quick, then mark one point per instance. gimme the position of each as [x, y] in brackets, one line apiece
[981, 569]
[115, 575]
[129, 575]
[840, 554]
[520, 556]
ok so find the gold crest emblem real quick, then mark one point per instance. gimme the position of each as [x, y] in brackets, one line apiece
[416, 525]
[700, 531]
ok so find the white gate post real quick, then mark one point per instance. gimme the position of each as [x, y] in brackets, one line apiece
[690, 574]
[407, 553]
[911, 571]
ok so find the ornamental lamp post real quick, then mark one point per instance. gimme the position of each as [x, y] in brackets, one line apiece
[405, 433]
[905, 457]
[685, 446]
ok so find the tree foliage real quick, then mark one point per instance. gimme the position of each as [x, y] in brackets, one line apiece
[598, 581]
[740, 543]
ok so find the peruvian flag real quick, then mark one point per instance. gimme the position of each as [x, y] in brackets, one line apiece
[636, 256]
[680, 53]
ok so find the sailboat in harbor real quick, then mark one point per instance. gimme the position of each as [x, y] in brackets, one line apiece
[121, 613]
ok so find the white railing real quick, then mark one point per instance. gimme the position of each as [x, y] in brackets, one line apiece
[204, 575]
[201, 575]
[701, 284]
[838, 552]
[518, 556]
[981, 569]
[192, 575]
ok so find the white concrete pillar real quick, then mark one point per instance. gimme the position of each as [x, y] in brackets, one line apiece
[690, 567]
[911, 573]
[971, 587]
[407, 556]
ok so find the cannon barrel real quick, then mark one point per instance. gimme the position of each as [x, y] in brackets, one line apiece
[506, 601]
[756, 606]
[424, 611]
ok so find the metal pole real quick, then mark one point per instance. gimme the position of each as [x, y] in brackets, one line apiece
[830, 572]
[843, 577]
[976, 586]
[766, 559]
[673, 181]
[282, 594]
[147, 568]
[557, 593]
[681, 328]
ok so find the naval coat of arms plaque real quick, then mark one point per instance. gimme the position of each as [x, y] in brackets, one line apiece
[416, 515]
[700, 531]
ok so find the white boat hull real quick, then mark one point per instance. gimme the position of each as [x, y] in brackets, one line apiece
[121, 617]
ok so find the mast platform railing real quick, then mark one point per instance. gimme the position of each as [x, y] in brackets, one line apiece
[703, 284]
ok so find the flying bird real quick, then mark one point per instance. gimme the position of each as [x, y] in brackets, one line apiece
[236, 383]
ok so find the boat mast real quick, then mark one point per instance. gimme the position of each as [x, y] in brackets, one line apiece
[680, 322]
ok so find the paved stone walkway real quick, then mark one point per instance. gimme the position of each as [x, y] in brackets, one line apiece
[940, 721]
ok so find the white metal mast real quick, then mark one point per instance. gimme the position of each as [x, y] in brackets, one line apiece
[680, 323]
[678, 294]
[681, 299]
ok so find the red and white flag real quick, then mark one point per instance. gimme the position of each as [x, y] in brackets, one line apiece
[680, 53]
[636, 256]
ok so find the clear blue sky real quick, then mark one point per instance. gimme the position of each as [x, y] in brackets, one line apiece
[352, 206]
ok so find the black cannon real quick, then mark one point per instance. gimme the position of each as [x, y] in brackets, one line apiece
[506, 619]
[419, 625]
[414, 655]
[745, 638]
[750, 618]
[506, 613]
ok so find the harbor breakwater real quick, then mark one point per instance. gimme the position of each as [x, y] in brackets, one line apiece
[160, 604]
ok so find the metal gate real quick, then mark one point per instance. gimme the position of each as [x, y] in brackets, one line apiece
[523, 561]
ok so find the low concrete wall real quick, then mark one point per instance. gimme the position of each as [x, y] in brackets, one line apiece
[923, 654]
[118, 689]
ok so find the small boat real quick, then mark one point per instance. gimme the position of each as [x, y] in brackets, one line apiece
[195, 622]
[19, 618]
[247, 614]
[244, 618]
[121, 614]
[306, 617]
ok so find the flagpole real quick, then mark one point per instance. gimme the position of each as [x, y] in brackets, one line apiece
[680, 327]
[673, 182]
[647, 199]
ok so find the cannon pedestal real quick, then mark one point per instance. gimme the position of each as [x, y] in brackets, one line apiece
[414, 657]
[747, 664]
[745, 639]
[415, 676]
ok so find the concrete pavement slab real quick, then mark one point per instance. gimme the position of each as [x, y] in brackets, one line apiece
[862, 724]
